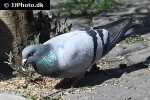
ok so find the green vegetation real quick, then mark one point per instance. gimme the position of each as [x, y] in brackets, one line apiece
[132, 39]
[84, 7]
[39, 97]
[35, 40]
[30, 76]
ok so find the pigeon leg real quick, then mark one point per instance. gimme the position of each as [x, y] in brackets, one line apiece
[77, 79]
[75, 82]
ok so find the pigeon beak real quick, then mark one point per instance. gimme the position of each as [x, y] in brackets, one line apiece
[24, 63]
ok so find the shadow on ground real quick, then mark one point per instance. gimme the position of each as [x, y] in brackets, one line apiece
[97, 77]
[102, 75]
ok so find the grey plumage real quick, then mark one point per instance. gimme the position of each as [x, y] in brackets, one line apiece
[72, 54]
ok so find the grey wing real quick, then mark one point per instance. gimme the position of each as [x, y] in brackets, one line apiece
[77, 52]
[116, 31]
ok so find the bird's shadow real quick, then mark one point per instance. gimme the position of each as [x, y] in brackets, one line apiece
[97, 77]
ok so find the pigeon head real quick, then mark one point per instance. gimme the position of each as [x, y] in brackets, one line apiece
[41, 57]
[30, 54]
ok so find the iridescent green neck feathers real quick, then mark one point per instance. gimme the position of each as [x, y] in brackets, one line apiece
[47, 60]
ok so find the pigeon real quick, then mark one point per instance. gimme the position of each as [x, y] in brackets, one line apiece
[72, 54]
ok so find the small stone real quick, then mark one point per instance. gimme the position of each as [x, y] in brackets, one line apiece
[4, 96]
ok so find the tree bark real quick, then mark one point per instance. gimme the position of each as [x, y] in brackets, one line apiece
[16, 26]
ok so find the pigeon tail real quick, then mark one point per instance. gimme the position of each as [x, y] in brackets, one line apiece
[135, 27]
[132, 28]
[145, 21]
[116, 31]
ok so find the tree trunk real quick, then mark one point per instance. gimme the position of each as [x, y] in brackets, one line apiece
[16, 26]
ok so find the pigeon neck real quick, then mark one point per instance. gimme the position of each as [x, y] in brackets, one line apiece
[46, 61]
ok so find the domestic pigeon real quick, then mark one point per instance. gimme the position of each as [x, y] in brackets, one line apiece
[72, 54]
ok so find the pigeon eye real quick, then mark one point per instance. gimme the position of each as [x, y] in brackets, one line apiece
[30, 54]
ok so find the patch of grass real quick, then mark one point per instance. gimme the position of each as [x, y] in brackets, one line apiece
[32, 97]
[84, 7]
[39, 97]
[35, 40]
[132, 39]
